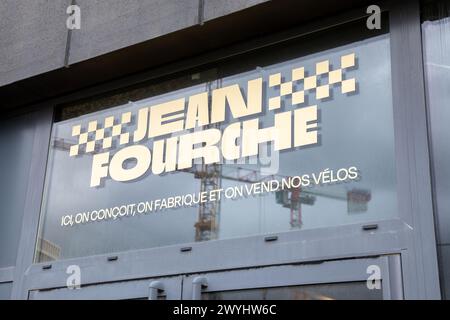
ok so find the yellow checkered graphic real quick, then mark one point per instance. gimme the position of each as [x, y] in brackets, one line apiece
[310, 83]
[97, 136]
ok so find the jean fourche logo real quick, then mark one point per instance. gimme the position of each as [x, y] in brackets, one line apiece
[197, 119]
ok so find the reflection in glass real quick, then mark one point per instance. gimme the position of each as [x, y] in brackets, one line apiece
[356, 129]
[327, 291]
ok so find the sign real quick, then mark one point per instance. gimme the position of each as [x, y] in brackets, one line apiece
[189, 129]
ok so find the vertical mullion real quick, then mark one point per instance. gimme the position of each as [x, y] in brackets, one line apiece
[43, 124]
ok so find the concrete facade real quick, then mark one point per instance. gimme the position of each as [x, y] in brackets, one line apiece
[31, 43]
[34, 36]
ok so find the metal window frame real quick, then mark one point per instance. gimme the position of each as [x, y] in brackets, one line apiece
[326, 272]
[184, 287]
[412, 235]
[122, 290]
[6, 274]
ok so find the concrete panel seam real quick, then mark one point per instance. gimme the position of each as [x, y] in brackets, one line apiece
[201, 12]
[68, 41]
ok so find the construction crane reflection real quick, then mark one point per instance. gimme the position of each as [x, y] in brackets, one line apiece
[211, 175]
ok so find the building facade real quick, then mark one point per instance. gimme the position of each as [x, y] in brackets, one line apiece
[204, 149]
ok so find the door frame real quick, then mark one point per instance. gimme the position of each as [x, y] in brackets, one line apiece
[190, 287]
[169, 287]
[324, 272]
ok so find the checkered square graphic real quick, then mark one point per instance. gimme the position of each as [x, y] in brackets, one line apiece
[311, 83]
[95, 135]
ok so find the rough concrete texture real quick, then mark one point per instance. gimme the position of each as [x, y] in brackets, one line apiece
[114, 24]
[219, 8]
[33, 37]
[33, 33]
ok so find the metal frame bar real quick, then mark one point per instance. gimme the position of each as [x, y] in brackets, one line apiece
[327, 272]
[136, 289]
[412, 152]
[287, 275]
[291, 247]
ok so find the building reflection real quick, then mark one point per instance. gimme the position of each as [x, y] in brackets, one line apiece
[47, 251]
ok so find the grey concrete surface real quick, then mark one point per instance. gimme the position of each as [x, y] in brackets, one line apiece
[33, 37]
[115, 24]
[33, 33]
[217, 8]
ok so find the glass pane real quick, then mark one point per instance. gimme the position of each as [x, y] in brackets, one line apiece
[97, 202]
[16, 141]
[436, 40]
[328, 291]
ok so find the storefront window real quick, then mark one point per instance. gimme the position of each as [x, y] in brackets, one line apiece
[329, 159]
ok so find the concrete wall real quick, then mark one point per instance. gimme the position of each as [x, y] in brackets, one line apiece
[40, 59]
[33, 33]
[33, 37]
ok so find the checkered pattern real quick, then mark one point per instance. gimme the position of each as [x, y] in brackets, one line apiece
[101, 136]
[311, 82]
